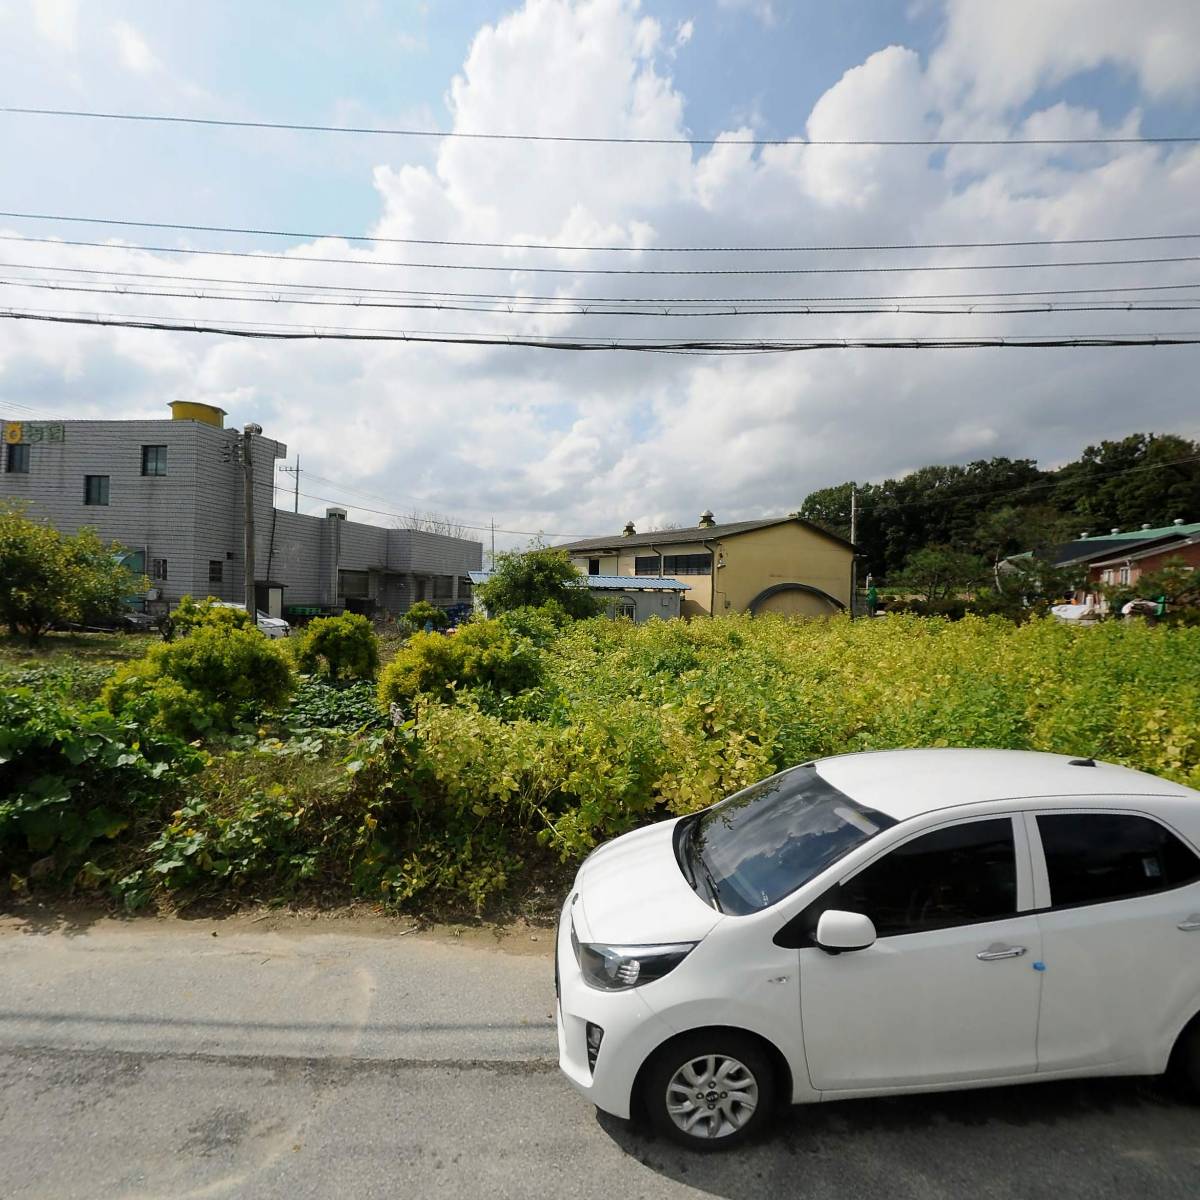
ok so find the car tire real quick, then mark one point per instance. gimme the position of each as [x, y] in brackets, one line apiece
[1186, 1062]
[683, 1096]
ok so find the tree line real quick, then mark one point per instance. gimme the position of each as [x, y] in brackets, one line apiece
[993, 508]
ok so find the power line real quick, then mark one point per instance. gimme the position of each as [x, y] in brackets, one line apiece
[302, 127]
[512, 269]
[415, 241]
[301, 333]
[356, 289]
[831, 308]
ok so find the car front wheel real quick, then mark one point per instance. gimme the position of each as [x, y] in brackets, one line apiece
[710, 1091]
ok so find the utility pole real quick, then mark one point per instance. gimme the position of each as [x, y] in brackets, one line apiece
[492, 564]
[854, 554]
[248, 517]
[296, 485]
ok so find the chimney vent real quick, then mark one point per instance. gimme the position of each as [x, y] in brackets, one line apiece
[1177, 521]
[629, 530]
[1146, 525]
[706, 519]
[1083, 535]
[335, 514]
[1115, 530]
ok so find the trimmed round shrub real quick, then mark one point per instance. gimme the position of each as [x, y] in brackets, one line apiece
[338, 648]
[202, 683]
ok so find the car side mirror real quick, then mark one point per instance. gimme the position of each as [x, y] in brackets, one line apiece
[841, 931]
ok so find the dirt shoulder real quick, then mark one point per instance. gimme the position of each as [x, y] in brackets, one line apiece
[519, 936]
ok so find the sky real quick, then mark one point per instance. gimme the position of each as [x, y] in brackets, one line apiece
[575, 444]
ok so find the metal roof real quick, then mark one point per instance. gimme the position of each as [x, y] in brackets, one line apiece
[613, 583]
[1090, 548]
[1146, 552]
[696, 533]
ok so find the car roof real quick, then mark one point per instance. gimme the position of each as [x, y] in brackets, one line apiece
[906, 783]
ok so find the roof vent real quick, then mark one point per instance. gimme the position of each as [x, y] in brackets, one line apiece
[1082, 762]
[1114, 530]
[1083, 536]
[706, 519]
[629, 530]
[335, 514]
[1177, 521]
[1146, 525]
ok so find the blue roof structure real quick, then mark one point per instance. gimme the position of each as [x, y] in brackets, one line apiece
[613, 583]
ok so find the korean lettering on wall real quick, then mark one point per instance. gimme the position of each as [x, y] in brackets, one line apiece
[16, 432]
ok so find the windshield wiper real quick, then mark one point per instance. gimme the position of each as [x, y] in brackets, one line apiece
[697, 860]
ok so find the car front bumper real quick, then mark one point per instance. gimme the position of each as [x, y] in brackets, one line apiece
[632, 1030]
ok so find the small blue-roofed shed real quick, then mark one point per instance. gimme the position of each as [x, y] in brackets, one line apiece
[635, 597]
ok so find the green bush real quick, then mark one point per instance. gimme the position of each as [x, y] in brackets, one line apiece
[423, 613]
[72, 780]
[482, 657]
[338, 648]
[190, 615]
[205, 682]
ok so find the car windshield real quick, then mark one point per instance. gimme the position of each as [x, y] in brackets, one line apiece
[763, 843]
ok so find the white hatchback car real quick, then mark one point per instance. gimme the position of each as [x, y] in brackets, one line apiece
[873, 924]
[273, 627]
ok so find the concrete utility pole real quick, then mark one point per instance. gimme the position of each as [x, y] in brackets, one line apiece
[248, 517]
[854, 554]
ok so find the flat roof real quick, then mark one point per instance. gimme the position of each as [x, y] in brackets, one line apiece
[907, 783]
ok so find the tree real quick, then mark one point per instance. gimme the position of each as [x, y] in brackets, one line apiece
[535, 577]
[48, 578]
[423, 613]
[936, 573]
[1175, 582]
[340, 648]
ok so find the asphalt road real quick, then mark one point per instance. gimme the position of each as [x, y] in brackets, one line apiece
[156, 1060]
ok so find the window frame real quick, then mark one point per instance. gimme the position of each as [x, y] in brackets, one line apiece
[155, 447]
[106, 488]
[158, 569]
[1041, 871]
[799, 930]
[11, 450]
[217, 576]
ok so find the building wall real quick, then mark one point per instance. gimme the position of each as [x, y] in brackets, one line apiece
[193, 516]
[755, 561]
[648, 606]
[1188, 554]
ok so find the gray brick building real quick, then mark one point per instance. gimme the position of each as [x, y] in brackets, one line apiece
[171, 491]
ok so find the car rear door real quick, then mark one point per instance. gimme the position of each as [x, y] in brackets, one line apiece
[1120, 894]
[949, 991]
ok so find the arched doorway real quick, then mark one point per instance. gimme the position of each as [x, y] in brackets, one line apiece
[795, 600]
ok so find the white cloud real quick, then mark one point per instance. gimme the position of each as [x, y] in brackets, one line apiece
[57, 21]
[578, 443]
[134, 51]
[683, 33]
[761, 10]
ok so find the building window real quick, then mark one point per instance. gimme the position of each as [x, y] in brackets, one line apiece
[464, 589]
[154, 460]
[624, 607]
[17, 459]
[95, 489]
[216, 570]
[443, 587]
[673, 564]
[355, 584]
[593, 566]
[158, 568]
[1124, 574]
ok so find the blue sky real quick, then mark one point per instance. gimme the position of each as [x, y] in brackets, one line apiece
[580, 444]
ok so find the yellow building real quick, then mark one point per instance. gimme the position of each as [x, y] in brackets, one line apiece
[781, 564]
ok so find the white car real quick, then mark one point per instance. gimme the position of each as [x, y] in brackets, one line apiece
[874, 924]
[273, 627]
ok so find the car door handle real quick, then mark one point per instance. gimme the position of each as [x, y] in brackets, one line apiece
[995, 953]
[1190, 924]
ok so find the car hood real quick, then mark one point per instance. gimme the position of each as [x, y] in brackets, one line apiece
[632, 892]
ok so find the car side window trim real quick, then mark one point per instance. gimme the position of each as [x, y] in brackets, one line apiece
[1023, 859]
[1041, 870]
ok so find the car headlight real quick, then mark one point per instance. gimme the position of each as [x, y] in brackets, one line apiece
[616, 968]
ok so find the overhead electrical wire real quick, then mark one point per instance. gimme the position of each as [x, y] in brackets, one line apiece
[756, 346]
[357, 289]
[310, 127]
[830, 308]
[511, 268]
[416, 241]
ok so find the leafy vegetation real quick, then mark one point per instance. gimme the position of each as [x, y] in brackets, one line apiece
[513, 747]
[425, 613]
[49, 578]
[338, 648]
[203, 683]
[535, 577]
[190, 615]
